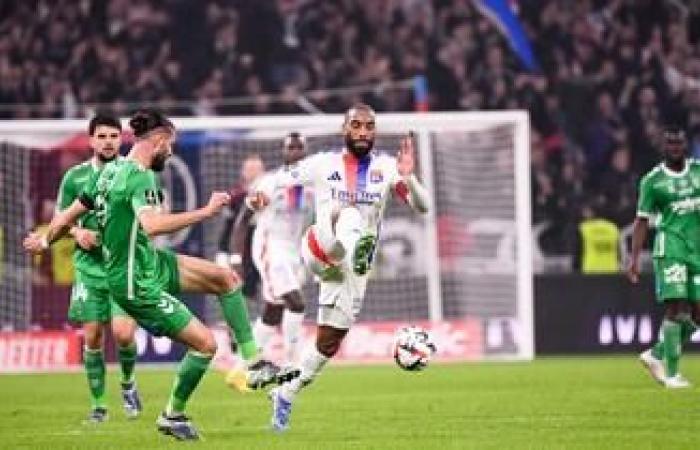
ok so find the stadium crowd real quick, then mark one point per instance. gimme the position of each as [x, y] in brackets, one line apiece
[612, 72]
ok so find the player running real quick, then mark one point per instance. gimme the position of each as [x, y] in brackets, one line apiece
[91, 303]
[285, 210]
[351, 190]
[127, 204]
[672, 191]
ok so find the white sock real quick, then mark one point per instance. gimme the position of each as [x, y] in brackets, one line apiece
[348, 229]
[263, 333]
[291, 330]
[312, 363]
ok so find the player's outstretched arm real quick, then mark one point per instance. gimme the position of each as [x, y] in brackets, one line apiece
[59, 226]
[408, 188]
[155, 223]
[639, 237]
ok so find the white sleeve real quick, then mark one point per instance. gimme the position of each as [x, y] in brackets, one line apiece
[308, 168]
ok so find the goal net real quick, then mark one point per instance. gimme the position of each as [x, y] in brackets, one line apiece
[464, 269]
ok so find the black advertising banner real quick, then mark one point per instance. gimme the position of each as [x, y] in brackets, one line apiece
[596, 314]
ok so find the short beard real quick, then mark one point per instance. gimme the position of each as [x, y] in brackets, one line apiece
[105, 159]
[359, 152]
[158, 163]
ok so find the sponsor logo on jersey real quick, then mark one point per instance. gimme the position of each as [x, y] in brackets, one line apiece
[676, 273]
[335, 176]
[359, 197]
[376, 176]
[685, 206]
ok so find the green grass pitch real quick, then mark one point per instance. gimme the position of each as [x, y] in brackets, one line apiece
[558, 403]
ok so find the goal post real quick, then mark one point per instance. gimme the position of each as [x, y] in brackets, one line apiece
[468, 260]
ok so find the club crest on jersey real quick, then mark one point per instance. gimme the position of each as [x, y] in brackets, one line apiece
[335, 176]
[376, 176]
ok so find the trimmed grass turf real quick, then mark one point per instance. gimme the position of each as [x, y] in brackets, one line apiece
[557, 403]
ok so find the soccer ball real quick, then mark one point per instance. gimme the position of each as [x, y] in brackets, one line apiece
[413, 348]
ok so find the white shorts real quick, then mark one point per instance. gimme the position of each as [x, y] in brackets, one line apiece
[281, 268]
[339, 304]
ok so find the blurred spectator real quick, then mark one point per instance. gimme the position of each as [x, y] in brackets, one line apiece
[599, 245]
[613, 71]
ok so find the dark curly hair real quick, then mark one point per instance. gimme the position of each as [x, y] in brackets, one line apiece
[147, 120]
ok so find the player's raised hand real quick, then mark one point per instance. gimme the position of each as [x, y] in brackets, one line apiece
[405, 158]
[86, 239]
[217, 201]
[258, 200]
[633, 270]
[33, 243]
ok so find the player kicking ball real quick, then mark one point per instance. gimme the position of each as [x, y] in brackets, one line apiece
[351, 190]
[124, 197]
[671, 191]
[91, 302]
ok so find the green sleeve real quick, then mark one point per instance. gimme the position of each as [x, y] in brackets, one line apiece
[646, 206]
[144, 191]
[66, 192]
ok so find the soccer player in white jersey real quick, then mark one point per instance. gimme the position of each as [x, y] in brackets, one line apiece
[284, 210]
[281, 208]
[351, 190]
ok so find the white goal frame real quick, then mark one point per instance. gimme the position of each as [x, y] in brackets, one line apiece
[20, 131]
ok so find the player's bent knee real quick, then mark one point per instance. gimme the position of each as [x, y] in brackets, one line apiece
[93, 335]
[328, 347]
[207, 344]
[124, 336]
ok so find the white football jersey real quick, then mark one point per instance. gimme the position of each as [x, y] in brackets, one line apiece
[290, 210]
[339, 179]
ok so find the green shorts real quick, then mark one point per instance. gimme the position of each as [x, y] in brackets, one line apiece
[92, 303]
[676, 279]
[157, 312]
[168, 274]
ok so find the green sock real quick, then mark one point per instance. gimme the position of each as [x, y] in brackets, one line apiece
[688, 327]
[94, 363]
[127, 361]
[672, 346]
[236, 314]
[657, 350]
[192, 368]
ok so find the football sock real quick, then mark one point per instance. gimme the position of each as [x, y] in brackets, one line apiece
[672, 346]
[192, 368]
[291, 330]
[311, 364]
[688, 327]
[657, 350]
[235, 311]
[348, 229]
[127, 361]
[263, 333]
[95, 370]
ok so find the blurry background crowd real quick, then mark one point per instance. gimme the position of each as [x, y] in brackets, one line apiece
[611, 73]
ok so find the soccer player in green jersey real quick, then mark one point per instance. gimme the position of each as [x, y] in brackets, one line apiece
[126, 202]
[91, 302]
[671, 192]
